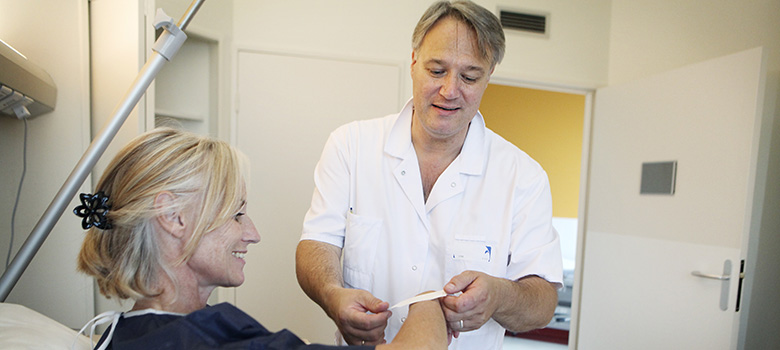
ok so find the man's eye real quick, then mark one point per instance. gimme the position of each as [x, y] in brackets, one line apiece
[436, 72]
[470, 79]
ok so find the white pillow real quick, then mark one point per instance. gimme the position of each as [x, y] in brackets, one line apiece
[23, 328]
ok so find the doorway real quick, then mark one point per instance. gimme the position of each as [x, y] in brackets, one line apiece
[549, 126]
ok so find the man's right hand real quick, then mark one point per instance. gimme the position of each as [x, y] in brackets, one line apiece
[360, 317]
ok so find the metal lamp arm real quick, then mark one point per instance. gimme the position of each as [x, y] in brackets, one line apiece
[164, 49]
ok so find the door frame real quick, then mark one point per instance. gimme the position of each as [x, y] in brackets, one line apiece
[589, 94]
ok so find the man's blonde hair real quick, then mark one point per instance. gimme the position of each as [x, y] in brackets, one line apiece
[205, 176]
[490, 35]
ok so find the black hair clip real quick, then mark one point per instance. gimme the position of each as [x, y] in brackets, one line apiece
[93, 210]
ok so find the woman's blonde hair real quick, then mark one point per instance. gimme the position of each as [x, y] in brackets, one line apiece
[205, 176]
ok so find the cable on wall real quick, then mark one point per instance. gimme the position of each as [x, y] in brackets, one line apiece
[18, 194]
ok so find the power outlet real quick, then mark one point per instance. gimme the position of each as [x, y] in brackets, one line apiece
[14, 103]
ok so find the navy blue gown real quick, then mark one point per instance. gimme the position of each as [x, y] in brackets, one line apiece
[222, 326]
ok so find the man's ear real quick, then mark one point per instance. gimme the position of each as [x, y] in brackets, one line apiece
[168, 217]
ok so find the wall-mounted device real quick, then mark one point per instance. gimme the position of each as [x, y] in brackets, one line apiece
[26, 90]
[659, 177]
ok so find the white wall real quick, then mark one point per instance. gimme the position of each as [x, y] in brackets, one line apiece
[276, 111]
[117, 49]
[122, 35]
[575, 53]
[53, 35]
[650, 36]
[213, 22]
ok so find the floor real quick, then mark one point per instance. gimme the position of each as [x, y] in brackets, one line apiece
[512, 343]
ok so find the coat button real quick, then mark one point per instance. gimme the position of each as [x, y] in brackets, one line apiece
[403, 172]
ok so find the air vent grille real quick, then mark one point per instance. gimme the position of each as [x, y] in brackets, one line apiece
[525, 22]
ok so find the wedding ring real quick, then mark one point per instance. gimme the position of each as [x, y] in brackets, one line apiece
[362, 342]
[460, 323]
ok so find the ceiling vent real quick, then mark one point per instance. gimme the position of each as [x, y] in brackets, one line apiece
[524, 22]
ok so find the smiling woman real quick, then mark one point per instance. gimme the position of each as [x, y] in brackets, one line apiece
[166, 226]
[170, 200]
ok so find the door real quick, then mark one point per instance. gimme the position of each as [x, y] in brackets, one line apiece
[640, 250]
[287, 106]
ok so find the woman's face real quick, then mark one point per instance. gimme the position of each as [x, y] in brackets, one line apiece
[219, 258]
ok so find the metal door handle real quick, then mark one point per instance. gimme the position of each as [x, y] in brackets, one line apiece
[715, 277]
[724, 291]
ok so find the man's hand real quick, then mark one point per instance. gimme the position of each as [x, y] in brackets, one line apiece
[518, 306]
[360, 317]
[474, 307]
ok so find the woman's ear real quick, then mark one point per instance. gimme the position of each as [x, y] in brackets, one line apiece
[169, 217]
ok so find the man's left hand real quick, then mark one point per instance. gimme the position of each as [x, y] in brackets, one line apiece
[470, 310]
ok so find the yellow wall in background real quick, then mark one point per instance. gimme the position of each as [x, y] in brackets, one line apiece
[546, 125]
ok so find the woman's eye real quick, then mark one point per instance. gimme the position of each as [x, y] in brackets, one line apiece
[238, 216]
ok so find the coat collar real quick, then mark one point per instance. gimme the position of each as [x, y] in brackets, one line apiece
[472, 156]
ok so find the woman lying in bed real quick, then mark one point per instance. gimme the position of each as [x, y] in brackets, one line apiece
[167, 225]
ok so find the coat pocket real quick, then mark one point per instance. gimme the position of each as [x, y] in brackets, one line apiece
[360, 245]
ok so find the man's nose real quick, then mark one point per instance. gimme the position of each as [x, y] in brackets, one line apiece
[450, 88]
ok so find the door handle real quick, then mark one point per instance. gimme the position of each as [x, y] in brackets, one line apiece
[724, 278]
[715, 277]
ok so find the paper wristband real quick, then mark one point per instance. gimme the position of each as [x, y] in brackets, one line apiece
[421, 297]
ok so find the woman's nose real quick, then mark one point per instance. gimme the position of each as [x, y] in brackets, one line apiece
[250, 232]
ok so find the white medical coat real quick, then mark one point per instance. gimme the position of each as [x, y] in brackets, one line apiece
[489, 211]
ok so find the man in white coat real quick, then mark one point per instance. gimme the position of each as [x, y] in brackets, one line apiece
[430, 199]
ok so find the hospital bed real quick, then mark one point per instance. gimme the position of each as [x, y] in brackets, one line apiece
[23, 328]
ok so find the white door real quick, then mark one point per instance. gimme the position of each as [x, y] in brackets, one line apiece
[640, 249]
[287, 106]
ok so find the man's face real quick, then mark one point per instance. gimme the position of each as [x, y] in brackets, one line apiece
[449, 77]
